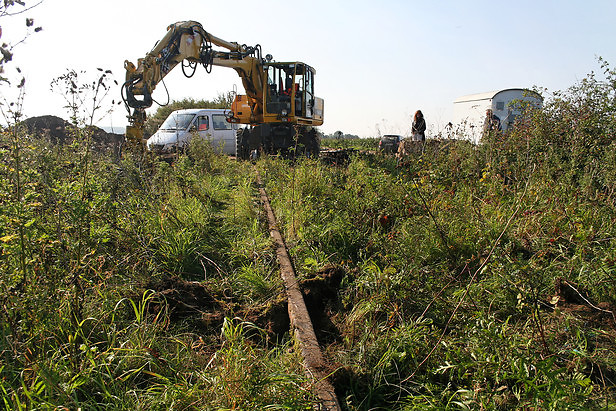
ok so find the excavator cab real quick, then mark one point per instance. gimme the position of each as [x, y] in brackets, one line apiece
[289, 91]
[288, 97]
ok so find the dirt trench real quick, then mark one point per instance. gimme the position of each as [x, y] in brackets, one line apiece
[193, 300]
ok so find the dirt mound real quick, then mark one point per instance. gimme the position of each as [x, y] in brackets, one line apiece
[60, 131]
[273, 318]
[320, 293]
[574, 310]
[103, 139]
[51, 127]
[337, 157]
[323, 286]
[195, 301]
[572, 299]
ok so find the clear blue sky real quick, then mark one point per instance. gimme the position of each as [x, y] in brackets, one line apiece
[376, 62]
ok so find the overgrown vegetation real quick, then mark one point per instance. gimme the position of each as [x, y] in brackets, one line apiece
[477, 276]
[357, 143]
[470, 276]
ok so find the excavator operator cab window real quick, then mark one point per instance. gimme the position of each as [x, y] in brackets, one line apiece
[309, 94]
[280, 83]
[304, 93]
[300, 78]
[290, 89]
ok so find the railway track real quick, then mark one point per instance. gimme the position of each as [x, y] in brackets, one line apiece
[314, 363]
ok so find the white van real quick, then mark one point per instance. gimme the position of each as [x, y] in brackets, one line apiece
[181, 126]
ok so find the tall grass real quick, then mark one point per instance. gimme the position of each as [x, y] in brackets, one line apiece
[473, 276]
[454, 257]
[98, 238]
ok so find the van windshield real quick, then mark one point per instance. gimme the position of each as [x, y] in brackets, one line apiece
[177, 122]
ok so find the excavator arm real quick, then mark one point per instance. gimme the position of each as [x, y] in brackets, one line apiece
[188, 44]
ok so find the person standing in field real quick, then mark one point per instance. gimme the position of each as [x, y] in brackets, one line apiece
[491, 124]
[418, 128]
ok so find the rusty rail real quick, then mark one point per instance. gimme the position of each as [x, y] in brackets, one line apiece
[314, 362]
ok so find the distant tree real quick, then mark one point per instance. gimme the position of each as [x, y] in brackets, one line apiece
[154, 121]
[339, 135]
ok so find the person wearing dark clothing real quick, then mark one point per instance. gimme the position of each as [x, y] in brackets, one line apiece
[418, 128]
[491, 126]
[491, 123]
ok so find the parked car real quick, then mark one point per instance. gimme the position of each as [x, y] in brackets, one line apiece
[181, 125]
[389, 143]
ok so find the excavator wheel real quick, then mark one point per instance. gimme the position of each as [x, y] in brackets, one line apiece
[309, 140]
[242, 150]
[314, 144]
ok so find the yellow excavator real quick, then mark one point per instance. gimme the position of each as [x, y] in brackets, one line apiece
[279, 108]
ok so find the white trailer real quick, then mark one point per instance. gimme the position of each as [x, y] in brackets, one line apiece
[469, 112]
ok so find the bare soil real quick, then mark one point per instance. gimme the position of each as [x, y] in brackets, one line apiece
[59, 131]
[570, 299]
[190, 299]
[322, 301]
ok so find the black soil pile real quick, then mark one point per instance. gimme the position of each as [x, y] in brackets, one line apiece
[571, 299]
[195, 302]
[59, 131]
[575, 311]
